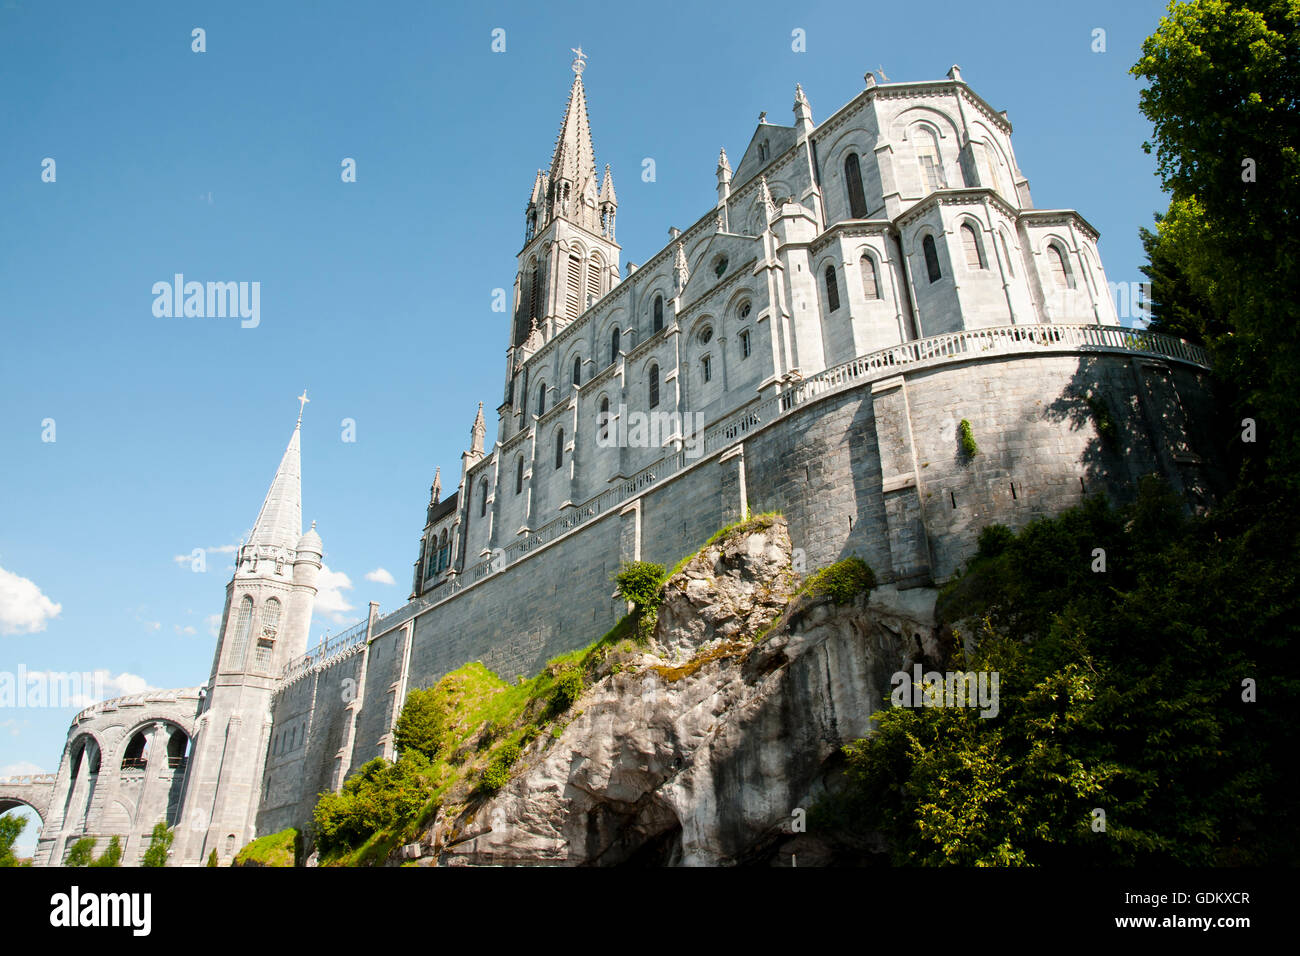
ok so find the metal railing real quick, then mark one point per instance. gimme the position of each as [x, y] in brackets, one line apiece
[325, 652]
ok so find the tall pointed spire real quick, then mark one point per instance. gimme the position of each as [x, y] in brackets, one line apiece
[572, 176]
[477, 431]
[279, 523]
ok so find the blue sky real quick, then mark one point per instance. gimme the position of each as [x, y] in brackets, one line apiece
[376, 295]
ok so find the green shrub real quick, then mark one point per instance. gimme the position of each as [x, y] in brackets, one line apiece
[112, 856]
[212, 858]
[568, 688]
[842, 581]
[497, 772]
[967, 440]
[379, 795]
[640, 582]
[421, 724]
[80, 853]
[160, 846]
[994, 539]
[274, 849]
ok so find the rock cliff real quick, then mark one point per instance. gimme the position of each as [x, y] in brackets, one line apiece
[705, 746]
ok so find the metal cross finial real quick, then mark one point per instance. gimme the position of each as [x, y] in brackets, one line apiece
[578, 64]
[302, 403]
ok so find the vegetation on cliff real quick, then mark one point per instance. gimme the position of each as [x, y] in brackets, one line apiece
[1145, 708]
[461, 740]
[274, 849]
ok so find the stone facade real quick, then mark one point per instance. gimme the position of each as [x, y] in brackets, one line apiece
[809, 346]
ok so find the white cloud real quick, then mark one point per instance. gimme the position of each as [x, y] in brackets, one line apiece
[330, 601]
[380, 576]
[213, 623]
[20, 768]
[187, 629]
[23, 608]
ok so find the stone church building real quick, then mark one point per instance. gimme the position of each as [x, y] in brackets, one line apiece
[810, 344]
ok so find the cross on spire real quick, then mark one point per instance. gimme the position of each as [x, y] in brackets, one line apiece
[302, 404]
[578, 64]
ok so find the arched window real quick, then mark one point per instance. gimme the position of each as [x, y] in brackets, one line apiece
[573, 296]
[931, 258]
[541, 400]
[431, 566]
[927, 155]
[136, 755]
[654, 386]
[270, 629]
[613, 345]
[706, 368]
[604, 419]
[519, 475]
[559, 449]
[577, 370]
[853, 180]
[444, 551]
[832, 290]
[593, 280]
[1061, 276]
[744, 344]
[243, 625]
[870, 285]
[658, 325]
[971, 245]
[482, 498]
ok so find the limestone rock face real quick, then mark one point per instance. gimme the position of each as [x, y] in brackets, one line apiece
[700, 751]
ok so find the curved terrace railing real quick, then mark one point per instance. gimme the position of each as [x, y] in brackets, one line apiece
[934, 350]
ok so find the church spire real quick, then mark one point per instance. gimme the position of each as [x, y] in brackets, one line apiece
[573, 164]
[279, 523]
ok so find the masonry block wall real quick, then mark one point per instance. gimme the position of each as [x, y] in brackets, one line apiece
[875, 470]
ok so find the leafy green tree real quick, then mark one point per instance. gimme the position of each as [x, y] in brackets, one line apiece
[1225, 259]
[1130, 691]
[160, 846]
[112, 855]
[11, 827]
[80, 853]
[421, 724]
[212, 858]
[378, 796]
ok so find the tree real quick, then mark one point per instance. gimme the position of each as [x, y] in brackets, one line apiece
[160, 845]
[11, 827]
[212, 858]
[80, 853]
[112, 856]
[1221, 95]
[1128, 691]
[421, 724]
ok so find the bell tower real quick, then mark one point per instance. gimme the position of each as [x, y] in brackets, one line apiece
[570, 257]
[268, 611]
